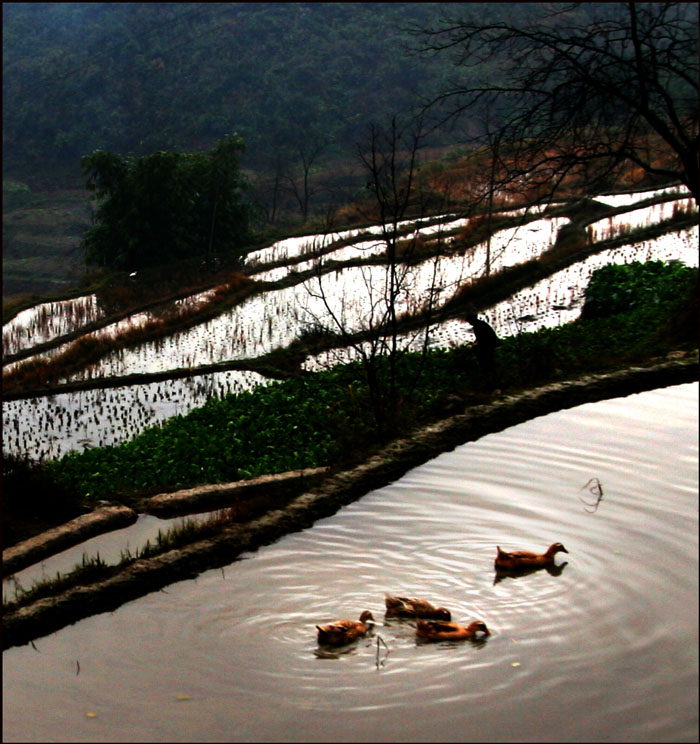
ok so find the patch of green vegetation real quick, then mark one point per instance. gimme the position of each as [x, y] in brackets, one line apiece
[325, 417]
[618, 288]
[272, 429]
[90, 568]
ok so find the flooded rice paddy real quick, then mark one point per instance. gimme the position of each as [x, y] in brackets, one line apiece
[508, 247]
[50, 427]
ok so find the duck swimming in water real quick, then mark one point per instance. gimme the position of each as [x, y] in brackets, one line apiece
[413, 607]
[524, 559]
[441, 630]
[341, 632]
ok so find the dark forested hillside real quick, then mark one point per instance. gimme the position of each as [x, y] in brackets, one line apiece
[299, 83]
[295, 80]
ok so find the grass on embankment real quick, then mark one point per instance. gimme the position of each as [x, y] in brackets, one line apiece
[325, 418]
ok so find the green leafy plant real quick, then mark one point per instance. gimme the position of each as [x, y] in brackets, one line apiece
[617, 288]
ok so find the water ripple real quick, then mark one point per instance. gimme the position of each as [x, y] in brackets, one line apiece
[577, 655]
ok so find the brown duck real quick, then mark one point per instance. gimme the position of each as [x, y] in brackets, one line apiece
[524, 559]
[341, 632]
[413, 607]
[441, 630]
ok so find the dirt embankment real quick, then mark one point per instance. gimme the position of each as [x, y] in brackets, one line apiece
[322, 495]
[243, 501]
[35, 549]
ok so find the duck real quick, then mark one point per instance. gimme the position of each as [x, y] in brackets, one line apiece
[524, 559]
[413, 607]
[441, 630]
[340, 632]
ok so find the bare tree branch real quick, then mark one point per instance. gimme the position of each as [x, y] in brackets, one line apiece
[582, 89]
[390, 157]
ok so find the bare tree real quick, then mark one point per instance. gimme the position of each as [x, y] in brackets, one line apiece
[390, 160]
[298, 179]
[285, 183]
[580, 89]
[268, 189]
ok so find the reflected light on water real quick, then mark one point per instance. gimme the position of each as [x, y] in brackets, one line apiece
[574, 655]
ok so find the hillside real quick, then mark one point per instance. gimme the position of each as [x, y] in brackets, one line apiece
[300, 82]
[291, 78]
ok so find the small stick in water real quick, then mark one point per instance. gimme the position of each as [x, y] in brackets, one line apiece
[597, 490]
[379, 638]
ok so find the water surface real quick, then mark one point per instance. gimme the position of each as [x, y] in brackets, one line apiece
[606, 650]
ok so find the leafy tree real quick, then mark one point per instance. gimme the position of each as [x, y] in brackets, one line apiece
[581, 88]
[165, 206]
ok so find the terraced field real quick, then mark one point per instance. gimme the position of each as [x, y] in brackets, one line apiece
[40, 243]
[303, 285]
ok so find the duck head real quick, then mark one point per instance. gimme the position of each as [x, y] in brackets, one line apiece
[479, 625]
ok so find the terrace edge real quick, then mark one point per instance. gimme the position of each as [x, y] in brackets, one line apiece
[50, 614]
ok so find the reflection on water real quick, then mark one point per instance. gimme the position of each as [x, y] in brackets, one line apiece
[48, 428]
[505, 573]
[605, 649]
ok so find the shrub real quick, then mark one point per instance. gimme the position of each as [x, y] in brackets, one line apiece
[617, 288]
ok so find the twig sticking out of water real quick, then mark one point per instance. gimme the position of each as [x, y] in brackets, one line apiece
[383, 661]
[597, 490]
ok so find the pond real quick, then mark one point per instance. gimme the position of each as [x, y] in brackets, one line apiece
[604, 649]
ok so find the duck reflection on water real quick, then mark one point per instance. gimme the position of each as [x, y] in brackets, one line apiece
[505, 573]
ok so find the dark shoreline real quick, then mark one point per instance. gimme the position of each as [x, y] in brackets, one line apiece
[329, 494]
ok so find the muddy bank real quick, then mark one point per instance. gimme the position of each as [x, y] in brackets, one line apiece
[329, 495]
[243, 500]
[234, 496]
[35, 549]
